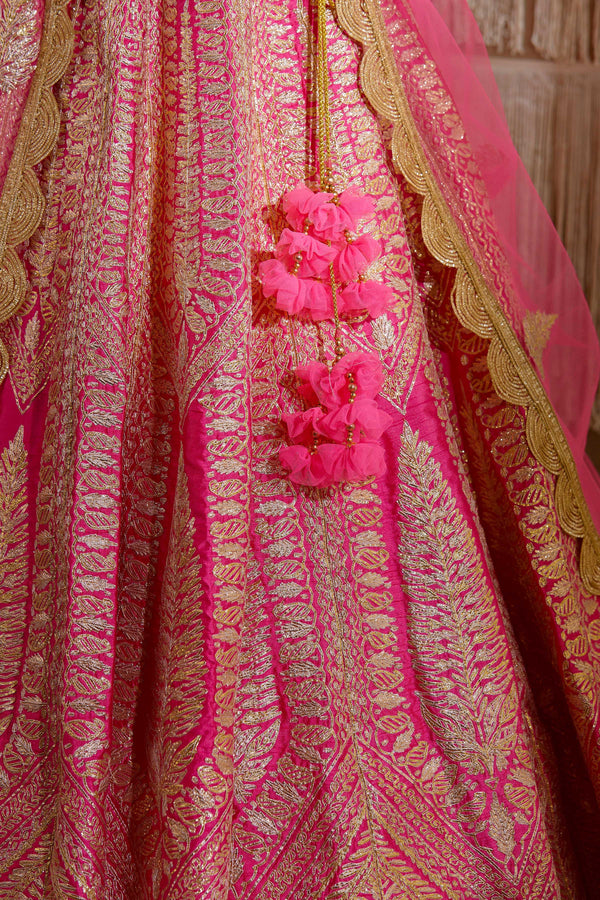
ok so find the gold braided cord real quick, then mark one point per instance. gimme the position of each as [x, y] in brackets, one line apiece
[324, 145]
[323, 102]
[21, 202]
[476, 307]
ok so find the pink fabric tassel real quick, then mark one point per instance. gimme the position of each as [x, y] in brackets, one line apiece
[314, 256]
[333, 439]
[355, 257]
[289, 290]
[327, 219]
[318, 301]
[293, 295]
[333, 463]
[300, 204]
[331, 388]
[356, 206]
[299, 462]
[302, 426]
[363, 416]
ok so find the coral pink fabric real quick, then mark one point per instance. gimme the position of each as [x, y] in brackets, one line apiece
[371, 297]
[296, 295]
[315, 255]
[327, 220]
[356, 256]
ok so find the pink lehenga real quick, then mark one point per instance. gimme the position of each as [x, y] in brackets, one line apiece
[215, 683]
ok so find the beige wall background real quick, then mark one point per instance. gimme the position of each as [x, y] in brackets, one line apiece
[546, 59]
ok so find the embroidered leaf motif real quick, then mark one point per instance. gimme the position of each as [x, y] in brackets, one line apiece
[383, 332]
[462, 663]
[13, 565]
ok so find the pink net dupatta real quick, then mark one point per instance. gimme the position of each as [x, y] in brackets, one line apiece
[538, 290]
[20, 33]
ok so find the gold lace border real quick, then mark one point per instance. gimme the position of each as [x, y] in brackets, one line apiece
[476, 308]
[22, 202]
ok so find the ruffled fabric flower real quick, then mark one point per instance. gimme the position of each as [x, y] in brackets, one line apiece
[315, 256]
[370, 297]
[299, 462]
[333, 463]
[294, 295]
[324, 217]
[356, 256]
[300, 205]
[320, 386]
[315, 213]
[302, 426]
[366, 421]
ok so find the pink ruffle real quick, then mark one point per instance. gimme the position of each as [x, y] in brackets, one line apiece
[349, 423]
[296, 296]
[369, 297]
[330, 388]
[319, 301]
[355, 256]
[289, 290]
[299, 462]
[333, 463]
[368, 422]
[302, 426]
[316, 256]
[328, 220]
[300, 204]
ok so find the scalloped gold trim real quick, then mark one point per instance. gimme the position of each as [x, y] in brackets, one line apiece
[21, 202]
[476, 308]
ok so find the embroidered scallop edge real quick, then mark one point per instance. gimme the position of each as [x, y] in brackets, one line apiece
[22, 203]
[476, 308]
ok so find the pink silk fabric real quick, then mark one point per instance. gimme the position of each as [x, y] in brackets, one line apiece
[213, 683]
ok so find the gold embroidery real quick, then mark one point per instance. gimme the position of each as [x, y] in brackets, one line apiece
[22, 203]
[441, 561]
[474, 303]
[537, 327]
[561, 615]
[13, 569]
[18, 45]
[180, 691]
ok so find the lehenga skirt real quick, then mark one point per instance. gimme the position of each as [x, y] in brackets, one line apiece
[216, 682]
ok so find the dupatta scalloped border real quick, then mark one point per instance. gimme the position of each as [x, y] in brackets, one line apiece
[476, 307]
[22, 202]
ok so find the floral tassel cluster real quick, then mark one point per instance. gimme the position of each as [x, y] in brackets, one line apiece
[322, 241]
[318, 273]
[335, 438]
